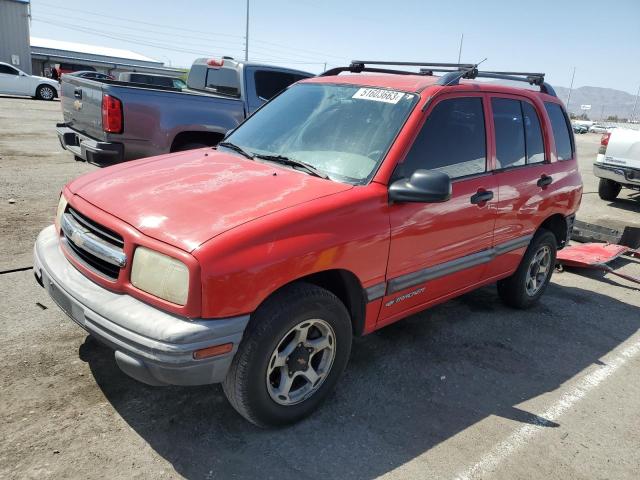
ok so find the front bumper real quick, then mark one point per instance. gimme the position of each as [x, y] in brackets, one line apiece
[88, 149]
[620, 174]
[150, 345]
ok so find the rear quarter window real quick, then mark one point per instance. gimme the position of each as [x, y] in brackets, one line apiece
[561, 131]
[224, 81]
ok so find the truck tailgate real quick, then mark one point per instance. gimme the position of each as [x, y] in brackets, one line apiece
[82, 105]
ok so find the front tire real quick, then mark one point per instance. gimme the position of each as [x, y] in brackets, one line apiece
[45, 92]
[293, 352]
[608, 189]
[525, 287]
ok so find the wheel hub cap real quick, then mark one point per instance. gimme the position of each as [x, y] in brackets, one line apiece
[301, 362]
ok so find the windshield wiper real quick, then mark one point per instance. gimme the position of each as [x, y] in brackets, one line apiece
[236, 148]
[293, 163]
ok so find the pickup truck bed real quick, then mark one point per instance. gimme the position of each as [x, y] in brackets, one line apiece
[155, 120]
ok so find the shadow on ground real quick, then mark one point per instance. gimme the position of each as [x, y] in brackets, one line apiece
[407, 388]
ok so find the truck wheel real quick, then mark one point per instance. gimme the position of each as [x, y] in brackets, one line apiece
[525, 287]
[45, 92]
[293, 352]
[608, 189]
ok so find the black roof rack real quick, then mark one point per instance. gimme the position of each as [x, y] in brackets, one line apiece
[453, 72]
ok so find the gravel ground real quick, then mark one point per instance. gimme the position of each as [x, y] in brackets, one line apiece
[469, 389]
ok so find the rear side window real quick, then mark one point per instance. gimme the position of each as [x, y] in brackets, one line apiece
[452, 140]
[269, 84]
[510, 142]
[560, 127]
[223, 80]
[533, 132]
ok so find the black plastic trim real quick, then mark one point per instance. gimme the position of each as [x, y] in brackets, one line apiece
[484, 256]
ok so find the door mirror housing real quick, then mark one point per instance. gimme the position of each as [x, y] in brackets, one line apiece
[424, 186]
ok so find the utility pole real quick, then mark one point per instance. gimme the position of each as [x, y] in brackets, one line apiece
[246, 37]
[602, 113]
[460, 49]
[570, 88]
[325, 67]
[635, 104]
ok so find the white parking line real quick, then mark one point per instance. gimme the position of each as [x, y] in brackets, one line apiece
[494, 457]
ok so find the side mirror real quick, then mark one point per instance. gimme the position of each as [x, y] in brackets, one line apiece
[424, 186]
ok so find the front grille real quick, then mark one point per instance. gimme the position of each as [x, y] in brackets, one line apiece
[97, 229]
[105, 238]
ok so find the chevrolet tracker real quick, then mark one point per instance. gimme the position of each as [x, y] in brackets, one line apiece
[349, 201]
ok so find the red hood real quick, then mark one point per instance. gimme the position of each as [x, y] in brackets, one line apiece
[188, 198]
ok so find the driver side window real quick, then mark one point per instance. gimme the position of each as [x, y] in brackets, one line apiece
[6, 69]
[452, 140]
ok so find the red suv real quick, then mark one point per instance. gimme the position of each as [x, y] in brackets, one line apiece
[346, 203]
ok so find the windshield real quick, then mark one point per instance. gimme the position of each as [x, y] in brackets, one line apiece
[342, 131]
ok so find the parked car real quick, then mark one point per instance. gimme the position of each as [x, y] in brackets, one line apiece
[579, 128]
[92, 75]
[110, 122]
[345, 204]
[14, 81]
[597, 128]
[152, 79]
[66, 68]
[618, 162]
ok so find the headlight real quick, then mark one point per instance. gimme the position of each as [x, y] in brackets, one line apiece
[160, 275]
[62, 206]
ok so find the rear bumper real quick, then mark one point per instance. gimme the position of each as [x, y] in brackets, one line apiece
[620, 174]
[150, 345]
[89, 149]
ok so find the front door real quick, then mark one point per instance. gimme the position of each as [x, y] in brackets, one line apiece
[439, 249]
[10, 80]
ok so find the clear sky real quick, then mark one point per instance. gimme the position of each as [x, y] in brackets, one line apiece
[600, 38]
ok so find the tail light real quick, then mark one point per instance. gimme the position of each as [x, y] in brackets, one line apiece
[604, 141]
[112, 120]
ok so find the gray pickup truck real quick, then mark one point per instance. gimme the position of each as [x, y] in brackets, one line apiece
[110, 121]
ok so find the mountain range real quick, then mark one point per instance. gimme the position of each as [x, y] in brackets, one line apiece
[604, 102]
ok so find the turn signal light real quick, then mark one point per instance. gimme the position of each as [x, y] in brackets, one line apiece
[212, 351]
[111, 114]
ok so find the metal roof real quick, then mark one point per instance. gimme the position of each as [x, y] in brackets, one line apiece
[38, 45]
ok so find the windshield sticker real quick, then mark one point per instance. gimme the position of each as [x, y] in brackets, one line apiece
[379, 95]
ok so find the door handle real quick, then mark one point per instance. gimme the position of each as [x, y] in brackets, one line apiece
[483, 196]
[544, 181]
[77, 93]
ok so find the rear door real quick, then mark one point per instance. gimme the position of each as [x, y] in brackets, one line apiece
[264, 83]
[82, 105]
[439, 249]
[524, 175]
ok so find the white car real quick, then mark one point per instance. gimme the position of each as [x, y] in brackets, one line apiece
[14, 81]
[618, 162]
[599, 128]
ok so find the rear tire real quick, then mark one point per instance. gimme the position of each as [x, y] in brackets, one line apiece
[268, 381]
[608, 189]
[525, 287]
[45, 92]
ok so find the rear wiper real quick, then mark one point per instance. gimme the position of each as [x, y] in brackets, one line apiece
[293, 163]
[236, 148]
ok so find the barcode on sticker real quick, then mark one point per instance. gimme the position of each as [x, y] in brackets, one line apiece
[378, 95]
